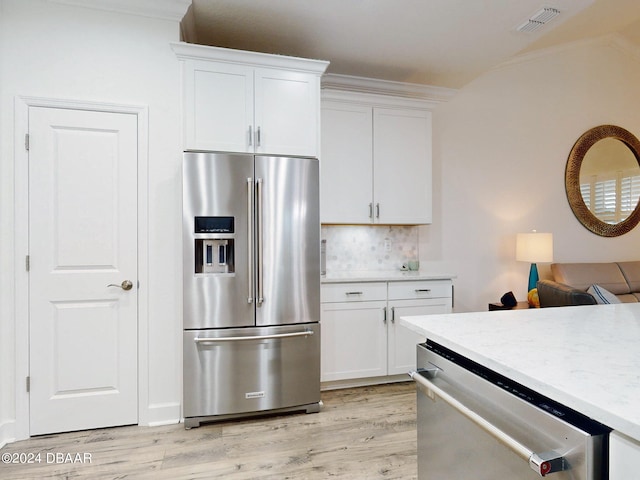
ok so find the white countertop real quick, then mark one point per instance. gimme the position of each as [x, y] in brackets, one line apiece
[383, 276]
[587, 357]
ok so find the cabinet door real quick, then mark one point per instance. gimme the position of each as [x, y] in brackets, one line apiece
[624, 457]
[402, 341]
[286, 112]
[402, 166]
[354, 338]
[218, 106]
[346, 175]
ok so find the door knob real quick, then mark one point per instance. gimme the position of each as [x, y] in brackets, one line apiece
[125, 285]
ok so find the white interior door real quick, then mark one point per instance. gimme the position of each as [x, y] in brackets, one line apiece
[82, 238]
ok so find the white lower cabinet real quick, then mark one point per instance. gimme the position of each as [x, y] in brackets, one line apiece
[402, 341]
[361, 336]
[354, 340]
[624, 457]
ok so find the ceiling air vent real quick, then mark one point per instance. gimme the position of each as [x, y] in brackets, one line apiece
[538, 20]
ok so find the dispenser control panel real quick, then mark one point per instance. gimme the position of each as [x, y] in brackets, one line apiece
[213, 225]
[214, 252]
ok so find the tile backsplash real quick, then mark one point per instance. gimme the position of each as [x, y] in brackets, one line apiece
[358, 247]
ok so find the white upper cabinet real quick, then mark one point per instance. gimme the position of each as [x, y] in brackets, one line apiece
[218, 107]
[376, 160]
[286, 112]
[237, 101]
[402, 166]
[346, 176]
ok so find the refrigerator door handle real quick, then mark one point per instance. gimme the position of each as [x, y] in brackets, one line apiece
[260, 249]
[304, 333]
[250, 238]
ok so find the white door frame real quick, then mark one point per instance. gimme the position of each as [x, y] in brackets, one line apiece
[21, 245]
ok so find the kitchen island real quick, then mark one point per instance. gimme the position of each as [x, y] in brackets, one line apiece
[587, 358]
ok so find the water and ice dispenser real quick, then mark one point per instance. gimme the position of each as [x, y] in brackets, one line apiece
[214, 242]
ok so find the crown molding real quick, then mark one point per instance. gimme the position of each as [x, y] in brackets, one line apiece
[190, 51]
[162, 9]
[374, 86]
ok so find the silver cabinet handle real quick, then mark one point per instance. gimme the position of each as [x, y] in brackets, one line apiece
[250, 135]
[250, 238]
[393, 314]
[125, 285]
[541, 463]
[199, 340]
[377, 210]
[260, 249]
[352, 293]
[371, 211]
[384, 315]
[422, 290]
[258, 138]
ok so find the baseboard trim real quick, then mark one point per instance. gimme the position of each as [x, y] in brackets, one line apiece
[363, 382]
[7, 433]
[163, 414]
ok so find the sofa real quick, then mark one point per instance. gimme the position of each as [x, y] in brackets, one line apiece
[590, 284]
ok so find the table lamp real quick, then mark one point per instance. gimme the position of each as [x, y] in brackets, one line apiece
[534, 247]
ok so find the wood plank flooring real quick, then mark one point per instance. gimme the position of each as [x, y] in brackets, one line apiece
[360, 433]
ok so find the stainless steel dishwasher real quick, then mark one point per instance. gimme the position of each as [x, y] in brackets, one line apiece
[475, 424]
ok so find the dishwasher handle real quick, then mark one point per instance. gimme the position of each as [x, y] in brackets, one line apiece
[541, 463]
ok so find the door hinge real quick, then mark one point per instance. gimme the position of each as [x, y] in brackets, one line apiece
[27, 263]
[26, 141]
[28, 384]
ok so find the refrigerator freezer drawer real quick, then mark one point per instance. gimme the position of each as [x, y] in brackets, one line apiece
[242, 370]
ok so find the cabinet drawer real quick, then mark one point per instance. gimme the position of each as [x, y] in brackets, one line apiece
[419, 289]
[353, 292]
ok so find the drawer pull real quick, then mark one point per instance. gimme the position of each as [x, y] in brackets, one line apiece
[353, 293]
[423, 290]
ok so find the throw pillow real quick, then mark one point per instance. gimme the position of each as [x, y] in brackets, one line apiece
[601, 295]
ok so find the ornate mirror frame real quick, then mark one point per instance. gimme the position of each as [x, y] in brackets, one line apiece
[572, 180]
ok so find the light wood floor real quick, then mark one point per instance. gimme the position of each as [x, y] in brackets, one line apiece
[360, 433]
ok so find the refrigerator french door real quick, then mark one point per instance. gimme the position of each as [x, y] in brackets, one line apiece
[251, 295]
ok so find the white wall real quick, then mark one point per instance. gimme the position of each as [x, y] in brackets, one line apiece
[500, 150]
[63, 52]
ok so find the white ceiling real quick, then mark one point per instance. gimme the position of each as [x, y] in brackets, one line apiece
[435, 42]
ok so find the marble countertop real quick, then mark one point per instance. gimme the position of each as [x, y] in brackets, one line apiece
[383, 276]
[587, 357]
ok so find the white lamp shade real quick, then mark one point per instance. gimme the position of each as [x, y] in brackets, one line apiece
[534, 247]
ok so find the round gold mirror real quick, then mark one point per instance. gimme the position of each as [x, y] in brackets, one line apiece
[602, 180]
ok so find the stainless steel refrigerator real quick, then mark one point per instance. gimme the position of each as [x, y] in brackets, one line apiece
[251, 289]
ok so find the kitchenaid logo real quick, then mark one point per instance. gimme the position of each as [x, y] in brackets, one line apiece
[254, 395]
